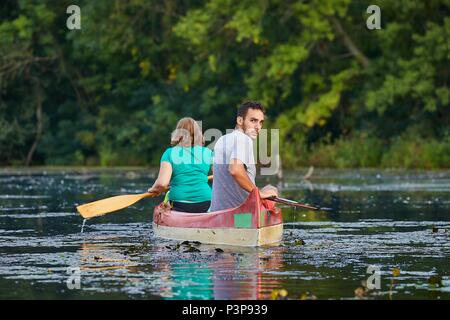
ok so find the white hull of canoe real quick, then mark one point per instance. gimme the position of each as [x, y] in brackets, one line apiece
[225, 236]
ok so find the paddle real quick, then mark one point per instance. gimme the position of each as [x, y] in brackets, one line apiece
[294, 203]
[108, 205]
[104, 206]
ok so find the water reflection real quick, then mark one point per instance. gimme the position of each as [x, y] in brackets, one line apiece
[98, 257]
[236, 273]
[239, 276]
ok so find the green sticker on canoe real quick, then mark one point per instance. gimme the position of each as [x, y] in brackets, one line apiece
[242, 220]
[263, 218]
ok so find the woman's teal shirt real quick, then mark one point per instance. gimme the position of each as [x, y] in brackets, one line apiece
[190, 168]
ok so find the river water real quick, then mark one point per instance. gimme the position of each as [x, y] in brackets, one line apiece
[387, 229]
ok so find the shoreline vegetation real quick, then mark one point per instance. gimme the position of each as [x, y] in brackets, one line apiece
[346, 153]
[370, 152]
[134, 171]
[342, 95]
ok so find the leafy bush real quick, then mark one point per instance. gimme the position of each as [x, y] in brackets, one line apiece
[351, 152]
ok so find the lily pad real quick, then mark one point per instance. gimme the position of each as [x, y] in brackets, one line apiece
[396, 272]
[435, 280]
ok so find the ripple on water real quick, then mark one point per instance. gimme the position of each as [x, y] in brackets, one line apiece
[21, 197]
[39, 215]
[23, 208]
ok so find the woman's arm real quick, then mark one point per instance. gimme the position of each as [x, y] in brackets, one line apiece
[162, 182]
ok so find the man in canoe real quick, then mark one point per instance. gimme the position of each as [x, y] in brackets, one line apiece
[234, 162]
[185, 166]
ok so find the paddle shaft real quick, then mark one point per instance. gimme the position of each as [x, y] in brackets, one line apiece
[292, 203]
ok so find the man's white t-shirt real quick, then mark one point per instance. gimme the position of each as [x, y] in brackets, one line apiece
[226, 193]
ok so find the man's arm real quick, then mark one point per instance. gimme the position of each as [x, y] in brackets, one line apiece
[238, 172]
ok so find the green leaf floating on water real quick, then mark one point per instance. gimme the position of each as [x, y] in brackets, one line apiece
[307, 296]
[396, 272]
[435, 280]
[188, 243]
[191, 249]
[279, 294]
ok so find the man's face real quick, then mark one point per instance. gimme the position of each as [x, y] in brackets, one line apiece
[252, 123]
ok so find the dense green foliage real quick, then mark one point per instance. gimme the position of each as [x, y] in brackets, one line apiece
[110, 93]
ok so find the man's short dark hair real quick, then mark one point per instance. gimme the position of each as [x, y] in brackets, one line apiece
[243, 109]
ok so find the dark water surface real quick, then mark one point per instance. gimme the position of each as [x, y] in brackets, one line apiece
[387, 219]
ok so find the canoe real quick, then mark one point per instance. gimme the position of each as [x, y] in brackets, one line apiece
[256, 222]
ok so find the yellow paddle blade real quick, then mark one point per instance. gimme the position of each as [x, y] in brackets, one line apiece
[104, 206]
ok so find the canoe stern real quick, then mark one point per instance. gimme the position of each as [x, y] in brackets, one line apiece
[255, 222]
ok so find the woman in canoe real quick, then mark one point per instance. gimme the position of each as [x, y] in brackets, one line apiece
[185, 167]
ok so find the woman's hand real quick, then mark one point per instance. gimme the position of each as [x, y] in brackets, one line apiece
[152, 190]
[158, 189]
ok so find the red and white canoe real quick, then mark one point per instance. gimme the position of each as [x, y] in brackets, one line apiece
[256, 222]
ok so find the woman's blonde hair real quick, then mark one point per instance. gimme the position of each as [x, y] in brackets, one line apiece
[187, 134]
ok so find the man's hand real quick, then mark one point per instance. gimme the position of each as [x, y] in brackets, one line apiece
[268, 191]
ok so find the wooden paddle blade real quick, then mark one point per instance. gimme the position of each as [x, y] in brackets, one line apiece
[104, 206]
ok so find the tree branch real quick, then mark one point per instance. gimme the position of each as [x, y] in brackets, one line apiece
[39, 124]
[348, 42]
